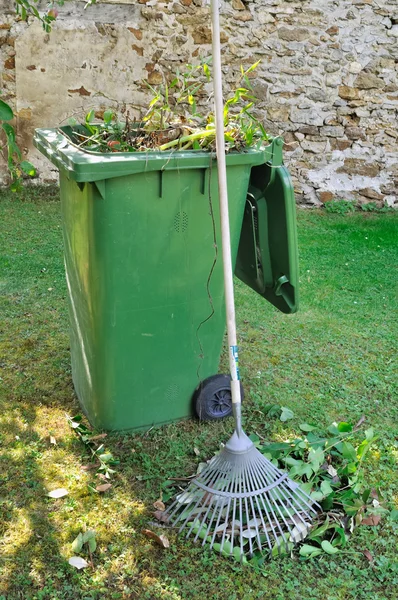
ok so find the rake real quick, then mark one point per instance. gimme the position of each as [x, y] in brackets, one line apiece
[240, 502]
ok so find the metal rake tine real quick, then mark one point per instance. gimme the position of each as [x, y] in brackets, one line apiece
[269, 504]
[203, 495]
[211, 480]
[286, 523]
[225, 529]
[231, 483]
[254, 512]
[233, 517]
[247, 509]
[290, 502]
[240, 528]
[219, 499]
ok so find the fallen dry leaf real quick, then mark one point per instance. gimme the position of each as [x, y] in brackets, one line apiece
[332, 471]
[90, 467]
[372, 520]
[78, 562]
[161, 516]
[367, 555]
[361, 420]
[196, 451]
[159, 539]
[53, 440]
[100, 436]
[103, 487]
[159, 505]
[58, 493]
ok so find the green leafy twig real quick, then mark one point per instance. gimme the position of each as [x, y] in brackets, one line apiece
[90, 439]
[16, 166]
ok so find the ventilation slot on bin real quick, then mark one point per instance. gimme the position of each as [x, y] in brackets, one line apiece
[181, 222]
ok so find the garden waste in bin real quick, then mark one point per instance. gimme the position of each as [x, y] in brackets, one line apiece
[144, 270]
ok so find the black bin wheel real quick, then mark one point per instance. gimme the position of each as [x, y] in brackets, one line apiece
[213, 398]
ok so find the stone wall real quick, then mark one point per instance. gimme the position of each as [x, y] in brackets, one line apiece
[327, 80]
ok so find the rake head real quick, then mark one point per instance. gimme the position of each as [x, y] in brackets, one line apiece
[241, 503]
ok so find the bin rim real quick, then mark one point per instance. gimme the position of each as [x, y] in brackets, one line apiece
[83, 166]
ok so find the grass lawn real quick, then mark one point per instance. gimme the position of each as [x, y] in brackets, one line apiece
[334, 360]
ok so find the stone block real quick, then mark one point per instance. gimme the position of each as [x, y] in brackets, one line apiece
[367, 81]
[309, 130]
[10, 63]
[278, 113]
[332, 131]
[371, 193]
[297, 34]
[355, 133]
[243, 16]
[314, 147]
[307, 116]
[325, 196]
[136, 32]
[359, 166]
[348, 93]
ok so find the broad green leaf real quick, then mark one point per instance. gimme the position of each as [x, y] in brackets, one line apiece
[306, 427]
[253, 67]
[276, 449]
[319, 531]
[92, 544]
[293, 462]
[77, 418]
[28, 168]
[6, 113]
[306, 487]
[394, 515]
[333, 429]
[237, 554]
[369, 434]
[316, 458]
[226, 548]
[348, 451]
[77, 544]
[303, 469]
[88, 535]
[108, 116]
[286, 414]
[362, 449]
[365, 495]
[326, 488]
[342, 539]
[317, 496]
[106, 457]
[281, 548]
[343, 427]
[327, 547]
[9, 131]
[90, 116]
[308, 550]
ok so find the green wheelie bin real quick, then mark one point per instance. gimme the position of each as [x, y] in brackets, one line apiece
[144, 271]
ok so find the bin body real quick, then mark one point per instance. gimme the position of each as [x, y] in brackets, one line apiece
[142, 286]
[143, 262]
